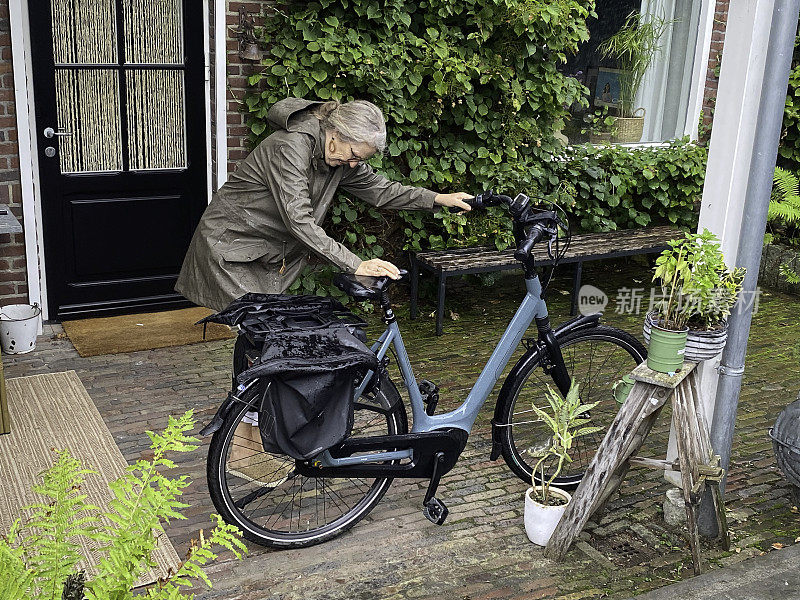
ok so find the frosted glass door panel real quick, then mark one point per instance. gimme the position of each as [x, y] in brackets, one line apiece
[156, 118]
[154, 31]
[84, 31]
[87, 105]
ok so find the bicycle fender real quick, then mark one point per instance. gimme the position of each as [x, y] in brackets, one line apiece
[578, 323]
[219, 417]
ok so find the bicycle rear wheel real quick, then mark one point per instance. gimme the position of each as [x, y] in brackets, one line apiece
[595, 359]
[261, 493]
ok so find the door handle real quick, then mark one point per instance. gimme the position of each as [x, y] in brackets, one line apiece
[49, 132]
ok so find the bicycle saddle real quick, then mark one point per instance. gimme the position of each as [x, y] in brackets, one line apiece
[364, 286]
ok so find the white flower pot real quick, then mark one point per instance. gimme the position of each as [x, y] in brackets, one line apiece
[541, 520]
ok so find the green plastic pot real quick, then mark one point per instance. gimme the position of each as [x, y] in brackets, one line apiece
[666, 349]
[622, 388]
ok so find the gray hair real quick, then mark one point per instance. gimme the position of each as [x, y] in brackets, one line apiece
[359, 122]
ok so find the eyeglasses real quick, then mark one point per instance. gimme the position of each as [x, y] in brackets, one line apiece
[355, 157]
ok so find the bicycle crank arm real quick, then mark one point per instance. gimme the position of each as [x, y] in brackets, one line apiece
[424, 448]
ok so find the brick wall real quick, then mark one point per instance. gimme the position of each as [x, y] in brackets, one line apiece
[13, 282]
[238, 71]
[714, 57]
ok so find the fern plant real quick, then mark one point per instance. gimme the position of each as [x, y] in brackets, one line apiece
[566, 419]
[784, 206]
[783, 217]
[38, 557]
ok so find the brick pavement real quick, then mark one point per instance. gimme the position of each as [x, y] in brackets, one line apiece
[481, 552]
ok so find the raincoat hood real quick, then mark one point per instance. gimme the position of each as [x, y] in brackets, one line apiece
[284, 115]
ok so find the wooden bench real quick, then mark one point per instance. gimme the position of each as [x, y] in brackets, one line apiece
[583, 248]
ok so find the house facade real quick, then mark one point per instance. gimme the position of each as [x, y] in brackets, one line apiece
[118, 118]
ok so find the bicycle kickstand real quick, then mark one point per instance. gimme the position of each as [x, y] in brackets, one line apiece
[433, 508]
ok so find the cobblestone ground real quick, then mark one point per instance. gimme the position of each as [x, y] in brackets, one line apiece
[481, 552]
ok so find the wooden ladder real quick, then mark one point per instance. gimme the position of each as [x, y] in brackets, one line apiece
[697, 463]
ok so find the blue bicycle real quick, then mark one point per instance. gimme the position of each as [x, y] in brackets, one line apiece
[285, 503]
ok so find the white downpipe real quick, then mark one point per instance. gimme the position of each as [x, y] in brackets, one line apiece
[28, 157]
[220, 89]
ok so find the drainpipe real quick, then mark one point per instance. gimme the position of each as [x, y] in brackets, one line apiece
[751, 238]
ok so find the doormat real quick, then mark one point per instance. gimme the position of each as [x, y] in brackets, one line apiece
[146, 331]
[55, 411]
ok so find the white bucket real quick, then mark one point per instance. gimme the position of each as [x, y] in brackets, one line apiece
[19, 326]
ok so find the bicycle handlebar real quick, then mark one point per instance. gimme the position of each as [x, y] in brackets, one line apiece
[534, 236]
[531, 225]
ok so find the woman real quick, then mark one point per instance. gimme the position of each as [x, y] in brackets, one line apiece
[262, 225]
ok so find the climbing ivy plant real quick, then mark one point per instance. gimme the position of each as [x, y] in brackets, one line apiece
[473, 98]
[468, 88]
[789, 149]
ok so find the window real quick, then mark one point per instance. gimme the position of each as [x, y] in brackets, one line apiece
[662, 107]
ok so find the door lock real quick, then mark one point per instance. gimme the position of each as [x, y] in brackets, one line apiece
[49, 132]
[49, 152]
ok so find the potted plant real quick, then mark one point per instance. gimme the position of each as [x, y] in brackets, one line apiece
[601, 126]
[544, 503]
[698, 294]
[633, 48]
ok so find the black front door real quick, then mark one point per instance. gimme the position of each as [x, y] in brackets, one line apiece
[120, 124]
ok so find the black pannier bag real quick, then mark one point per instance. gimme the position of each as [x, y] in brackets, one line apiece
[312, 352]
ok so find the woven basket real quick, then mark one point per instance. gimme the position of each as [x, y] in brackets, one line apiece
[630, 129]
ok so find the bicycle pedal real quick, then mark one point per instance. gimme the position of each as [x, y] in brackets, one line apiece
[430, 395]
[435, 511]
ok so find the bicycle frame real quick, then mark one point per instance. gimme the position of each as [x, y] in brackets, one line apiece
[463, 417]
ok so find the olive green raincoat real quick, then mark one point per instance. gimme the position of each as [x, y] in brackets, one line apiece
[261, 226]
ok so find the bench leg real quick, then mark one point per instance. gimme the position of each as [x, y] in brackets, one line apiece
[440, 307]
[576, 286]
[414, 286]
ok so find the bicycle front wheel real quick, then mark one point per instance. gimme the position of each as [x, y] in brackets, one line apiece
[595, 359]
[261, 493]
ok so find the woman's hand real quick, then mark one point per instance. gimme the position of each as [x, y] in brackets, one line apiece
[454, 200]
[378, 268]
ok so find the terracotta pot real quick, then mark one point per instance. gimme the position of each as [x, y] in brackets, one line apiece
[600, 138]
